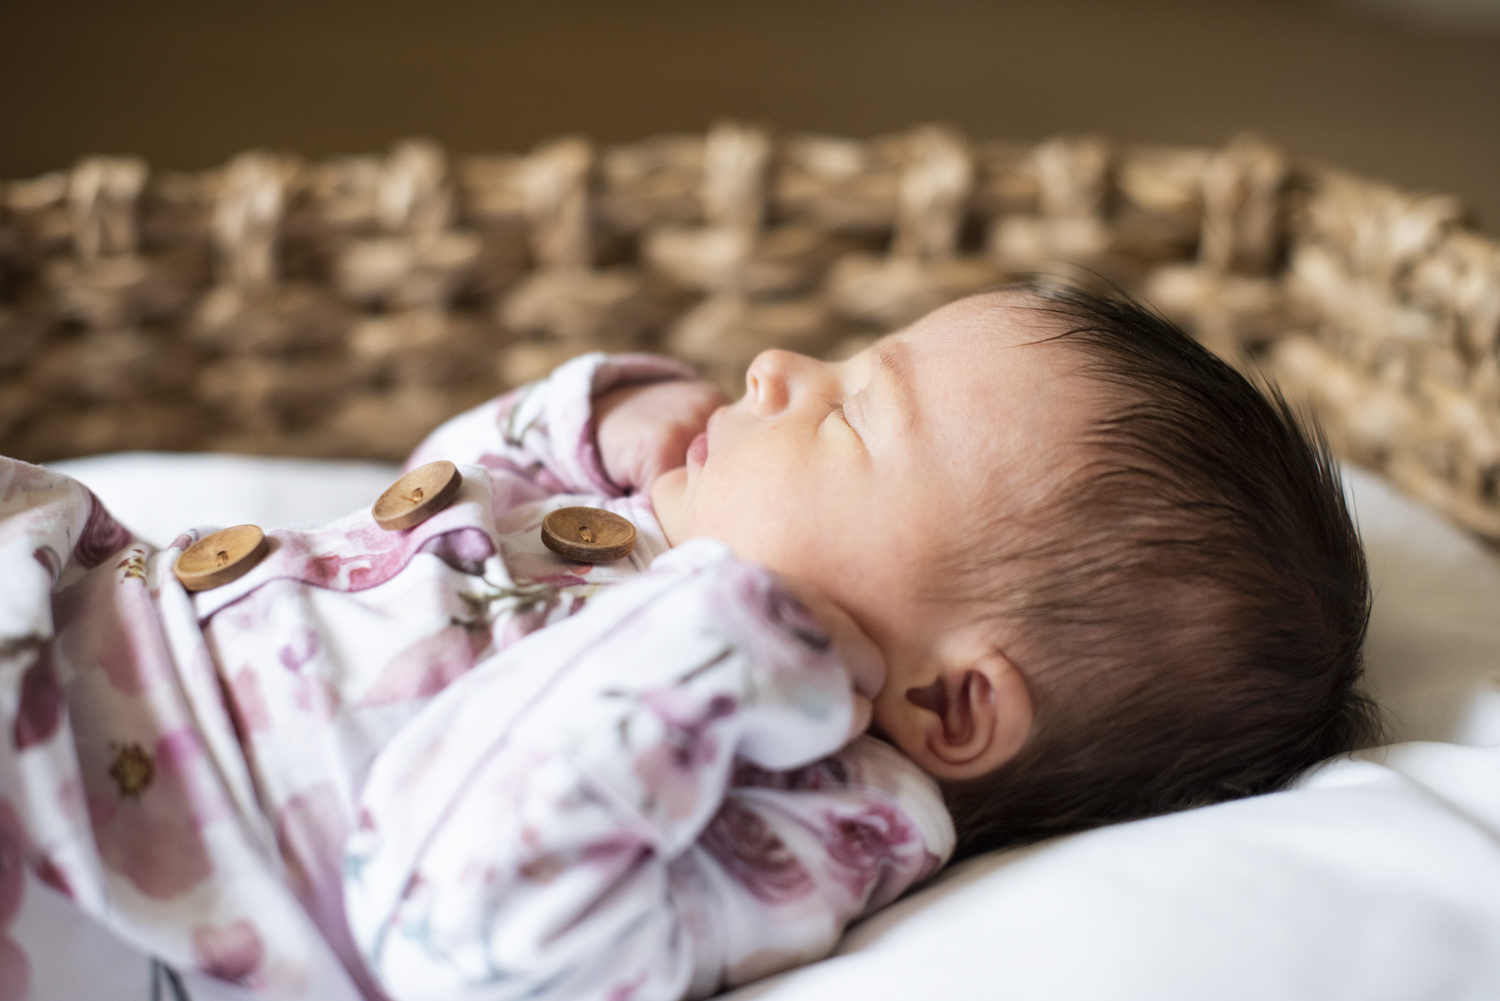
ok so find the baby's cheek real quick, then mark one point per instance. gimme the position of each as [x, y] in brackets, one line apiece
[892, 719]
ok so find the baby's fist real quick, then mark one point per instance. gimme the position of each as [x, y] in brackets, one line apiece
[643, 431]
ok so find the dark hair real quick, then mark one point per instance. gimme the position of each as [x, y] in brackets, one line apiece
[1192, 596]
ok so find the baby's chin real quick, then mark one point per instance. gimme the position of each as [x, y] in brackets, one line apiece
[668, 496]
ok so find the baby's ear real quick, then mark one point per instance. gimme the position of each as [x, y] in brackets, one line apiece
[971, 719]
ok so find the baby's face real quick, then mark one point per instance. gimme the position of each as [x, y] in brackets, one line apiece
[858, 476]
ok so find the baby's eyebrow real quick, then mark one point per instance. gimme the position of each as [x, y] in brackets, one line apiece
[894, 359]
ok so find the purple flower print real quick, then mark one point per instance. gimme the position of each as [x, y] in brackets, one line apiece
[353, 555]
[674, 768]
[866, 839]
[40, 711]
[101, 537]
[757, 591]
[868, 845]
[429, 665]
[302, 647]
[754, 855]
[774, 629]
[792, 616]
[464, 549]
[231, 952]
[148, 809]
[830, 773]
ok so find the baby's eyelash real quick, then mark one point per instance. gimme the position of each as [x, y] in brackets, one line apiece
[837, 409]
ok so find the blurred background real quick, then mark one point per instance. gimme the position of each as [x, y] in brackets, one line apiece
[215, 234]
[1405, 90]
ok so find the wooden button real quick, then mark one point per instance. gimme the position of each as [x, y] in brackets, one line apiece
[417, 496]
[587, 534]
[222, 557]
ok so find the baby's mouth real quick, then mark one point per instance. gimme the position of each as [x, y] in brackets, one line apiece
[697, 452]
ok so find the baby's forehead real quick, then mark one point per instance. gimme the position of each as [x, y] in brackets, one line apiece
[1004, 399]
[986, 347]
[1004, 315]
[991, 337]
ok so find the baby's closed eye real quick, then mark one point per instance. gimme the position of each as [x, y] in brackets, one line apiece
[852, 414]
[836, 409]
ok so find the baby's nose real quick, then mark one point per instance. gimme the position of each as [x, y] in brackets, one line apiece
[766, 381]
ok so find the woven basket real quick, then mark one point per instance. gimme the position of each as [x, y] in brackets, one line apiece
[345, 307]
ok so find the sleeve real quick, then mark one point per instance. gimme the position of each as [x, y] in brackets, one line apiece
[559, 823]
[52, 529]
[545, 430]
[119, 770]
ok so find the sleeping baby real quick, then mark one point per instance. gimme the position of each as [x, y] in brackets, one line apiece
[1034, 564]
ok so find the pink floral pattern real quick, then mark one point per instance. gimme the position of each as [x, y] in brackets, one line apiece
[231, 952]
[754, 855]
[643, 771]
[154, 835]
[385, 762]
[40, 712]
[102, 536]
[428, 665]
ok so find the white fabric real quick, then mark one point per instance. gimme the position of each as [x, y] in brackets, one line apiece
[158, 494]
[1375, 878]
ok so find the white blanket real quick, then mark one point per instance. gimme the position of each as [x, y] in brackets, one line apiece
[1377, 877]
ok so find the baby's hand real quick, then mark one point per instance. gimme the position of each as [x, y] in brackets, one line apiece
[643, 431]
[861, 657]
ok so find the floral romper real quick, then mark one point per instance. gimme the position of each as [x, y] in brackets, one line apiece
[441, 762]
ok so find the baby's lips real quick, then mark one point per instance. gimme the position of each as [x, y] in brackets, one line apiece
[697, 450]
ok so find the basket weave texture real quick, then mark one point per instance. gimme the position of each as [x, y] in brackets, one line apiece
[346, 306]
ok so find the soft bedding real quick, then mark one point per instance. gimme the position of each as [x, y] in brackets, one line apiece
[1378, 876]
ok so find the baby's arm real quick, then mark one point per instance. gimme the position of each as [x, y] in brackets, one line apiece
[547, 430]
[555, 824]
